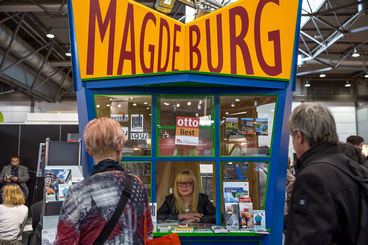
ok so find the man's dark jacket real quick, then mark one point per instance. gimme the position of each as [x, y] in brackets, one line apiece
[324, 206]
[205, 207]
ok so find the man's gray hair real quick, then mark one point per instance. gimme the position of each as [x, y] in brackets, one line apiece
[315, 122]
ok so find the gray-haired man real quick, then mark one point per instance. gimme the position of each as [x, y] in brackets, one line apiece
[325, 201]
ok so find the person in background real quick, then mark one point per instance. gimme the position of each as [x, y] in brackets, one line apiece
[186, 204]
[13, 215]
[325, 201]
[352, 152]
[356, 140]
[89, 204]
[17, 174]
[290, 178]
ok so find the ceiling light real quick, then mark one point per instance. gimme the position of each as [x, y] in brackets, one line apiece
[177, 105]
[347, 84]
[189, 103]
[227, 113]
[134, 104]
[148, 108]
[50, 34]
[355, 53]
[110, 99]
[232, 105]
[108, 105]
[119, 105]
[366, 75]
[131, 98]
[68, 53]
[322, 75]
[97, 106]
[145, 103]
[165, 103]
[307, 84]
[237, 99]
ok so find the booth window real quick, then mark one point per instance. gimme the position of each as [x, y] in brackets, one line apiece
[142, 170]
[247, 125]
[243, 182]
[133, 112]
[188, 108]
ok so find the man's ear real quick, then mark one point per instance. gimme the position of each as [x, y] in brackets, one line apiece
[299, 137]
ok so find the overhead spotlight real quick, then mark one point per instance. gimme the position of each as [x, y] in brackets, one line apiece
[232, 105]
[148, 108]
[108, 105]
[322, 75]
[145, 103]
[134, 104]
[355, 53]
[197, 114]
[50, 34]
[119, 105]
[97, 106]
[68, 54]
[165, 103]
[237, 99]
[347, 84]
[177, 105]
[189, 103]
[307, 84]
[227, 113]
[110, 99]
[366, 75]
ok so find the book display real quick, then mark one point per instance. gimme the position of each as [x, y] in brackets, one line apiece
[58, 178]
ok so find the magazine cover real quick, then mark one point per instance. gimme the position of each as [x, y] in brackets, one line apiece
[229, 171]
[246, 126]
[63, 190]
[232, 216]
[53, 179]
[246, 213]
[234, 190]
[261, 126]
[231, 126]
[259, 218]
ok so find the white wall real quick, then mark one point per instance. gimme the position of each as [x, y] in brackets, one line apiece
[362, 122]
[19, 112]
[15, 111]
[345, 118]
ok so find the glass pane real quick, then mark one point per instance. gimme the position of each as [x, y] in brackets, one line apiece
[244, 186]
[169, 172]
[183, 140]
[143, 171]
[168, 147]
[134, 115]
[246, 125]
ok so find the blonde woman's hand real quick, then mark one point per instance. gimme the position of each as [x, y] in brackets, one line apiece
[195, 216]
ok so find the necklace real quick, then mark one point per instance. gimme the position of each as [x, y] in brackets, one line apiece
[186, 210]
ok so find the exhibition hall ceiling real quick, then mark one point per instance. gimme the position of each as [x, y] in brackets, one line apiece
[333, 42]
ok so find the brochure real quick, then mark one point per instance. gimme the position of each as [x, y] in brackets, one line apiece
[231, 126]
[259, 218]
[261, 126]
[218, 229]
[232, 216]
[53, 179]
[246, 126]
[234, 190]
[246, 213]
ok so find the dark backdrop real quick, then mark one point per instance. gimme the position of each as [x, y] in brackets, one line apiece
[24, 141]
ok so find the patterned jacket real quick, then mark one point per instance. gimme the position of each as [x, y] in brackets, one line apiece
[90, 204]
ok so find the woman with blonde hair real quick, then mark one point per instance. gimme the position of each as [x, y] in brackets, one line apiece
[186, 204]
[13, 215]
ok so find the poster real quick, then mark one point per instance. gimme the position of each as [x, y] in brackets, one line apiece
[136, 123]
[234, 190]
[231, 126]
[54, 180]
[261, 126]
[246, 126]
[187, 131]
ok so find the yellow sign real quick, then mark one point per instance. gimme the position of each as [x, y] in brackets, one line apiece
[121, 37]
